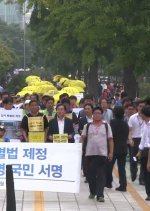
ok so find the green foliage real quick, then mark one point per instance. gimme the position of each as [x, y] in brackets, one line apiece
[13, 37]
[17, 83]
[78, 33]
[7, 60]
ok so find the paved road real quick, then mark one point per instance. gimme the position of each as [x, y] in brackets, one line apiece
[114, 201]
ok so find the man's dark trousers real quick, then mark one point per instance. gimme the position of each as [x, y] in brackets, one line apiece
[144, 159]
[134, 165]
[97, 174]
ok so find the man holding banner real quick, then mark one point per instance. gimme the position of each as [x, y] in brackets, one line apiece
[34, 125]
[61, 128]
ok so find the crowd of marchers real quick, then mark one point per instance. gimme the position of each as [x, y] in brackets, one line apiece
[111, 130]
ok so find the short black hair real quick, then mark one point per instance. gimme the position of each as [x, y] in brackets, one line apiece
[138, 102]
[36, 95]
[146, 111]
[63, 95]
[88, 97]
[33, 101]
[73, 97]
[118, 112]
[65, 100]
[50, 98]
[129, 105]
[45, 96]
[60, 104]
[117, 94]
[81, 100]
[8, 100]
[147, 100]
[123, 94]
[88, 104]
[26, 95]
[98, 108]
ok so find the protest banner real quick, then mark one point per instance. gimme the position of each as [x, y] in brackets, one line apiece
[42, 166]
[38, 137]
[60, 138]
[68, 115]
[11, 120]
[49, 118]
[35, 124]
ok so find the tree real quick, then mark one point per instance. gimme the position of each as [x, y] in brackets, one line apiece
[70, 35]
[130, 22]
[80, 33]
[13, 37]
[8, 60]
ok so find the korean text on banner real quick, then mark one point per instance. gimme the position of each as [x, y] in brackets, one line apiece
[42, 166]
[38, 137]
[60, 138]
[11, 120]
[35, 124]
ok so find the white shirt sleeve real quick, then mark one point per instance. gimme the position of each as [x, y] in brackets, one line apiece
[143, 138]
[84, 131]
[109, 132]
[130, 122]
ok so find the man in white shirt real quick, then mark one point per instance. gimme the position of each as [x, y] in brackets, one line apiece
[107, 113]
[144, 148]
[135, 130]
[148, 162]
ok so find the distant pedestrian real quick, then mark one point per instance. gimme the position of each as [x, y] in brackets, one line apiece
[144, 148]
[135, 131]
[120, 130]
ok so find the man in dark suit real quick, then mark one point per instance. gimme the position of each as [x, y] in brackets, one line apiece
[88, 99]
[61, 125]
[88, 109]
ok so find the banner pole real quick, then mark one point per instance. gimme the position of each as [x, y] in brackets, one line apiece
[10, 191]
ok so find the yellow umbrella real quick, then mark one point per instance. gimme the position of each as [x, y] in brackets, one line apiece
[22, 93]
[30, 88]
[56, 78]
[77, 83]
[71, 90]
[63, 80]
[32, 78]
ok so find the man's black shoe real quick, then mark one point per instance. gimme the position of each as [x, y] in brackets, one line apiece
[85, 181]
[108, 186]
[133, 177]
[141, 182]
[100, 199]
[147, 198]
[121, 189]
[133, 174]
[91, 196]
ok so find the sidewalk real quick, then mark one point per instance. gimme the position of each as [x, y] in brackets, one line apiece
[114, 200]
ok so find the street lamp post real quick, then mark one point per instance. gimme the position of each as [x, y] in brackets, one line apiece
[24, 37]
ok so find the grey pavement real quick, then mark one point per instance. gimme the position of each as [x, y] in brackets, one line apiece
[49, 201]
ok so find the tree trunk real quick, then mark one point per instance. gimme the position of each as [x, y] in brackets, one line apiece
[85, 77]
[79, 74]
[130, 82]
[93, 80]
